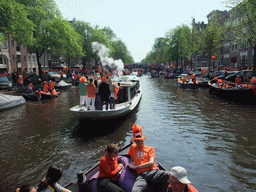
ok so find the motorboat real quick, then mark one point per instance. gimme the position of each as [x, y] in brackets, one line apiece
[88, 181]
[10, 101]
[243, 93]
[132, 93]
[185, 82]
[62, 85]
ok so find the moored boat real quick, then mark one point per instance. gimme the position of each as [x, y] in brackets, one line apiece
[10, 101]
[87, 181]
[63, 85]
[185, 82]
[231, 91]
[132, 93]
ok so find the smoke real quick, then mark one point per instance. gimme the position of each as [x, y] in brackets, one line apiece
[102, 52]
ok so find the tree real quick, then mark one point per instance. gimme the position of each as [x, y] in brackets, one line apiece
[242, 24]
[211, 38]
[188, 42]
[14, 21]
[109, 33]
[51, 31]
[70, 43]
[120, 51]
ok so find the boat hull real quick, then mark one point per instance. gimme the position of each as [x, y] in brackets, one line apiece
[188, 85]
[240, 95]
[120, 110]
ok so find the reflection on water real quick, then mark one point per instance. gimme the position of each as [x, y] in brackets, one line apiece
[212, 138]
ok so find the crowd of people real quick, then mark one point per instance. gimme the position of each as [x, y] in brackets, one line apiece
[95, 93]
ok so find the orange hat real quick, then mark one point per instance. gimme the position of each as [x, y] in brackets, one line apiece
[45, 82]
[83, 79]
[137, 133]
[103, 79]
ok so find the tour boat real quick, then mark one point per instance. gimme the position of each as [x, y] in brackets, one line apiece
[230, 91]
[132, 93]
[10, 101]
[88, 181]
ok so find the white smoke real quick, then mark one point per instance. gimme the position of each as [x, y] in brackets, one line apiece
[102, 52]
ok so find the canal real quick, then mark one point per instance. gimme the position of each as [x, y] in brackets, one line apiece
[212, 138]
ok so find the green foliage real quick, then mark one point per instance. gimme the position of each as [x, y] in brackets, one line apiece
[120, 51]
[14, 21]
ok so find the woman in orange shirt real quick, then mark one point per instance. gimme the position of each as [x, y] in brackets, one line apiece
[109, 169]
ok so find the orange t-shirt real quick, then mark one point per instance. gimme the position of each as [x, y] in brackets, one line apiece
[141, 156]
[51, 85]
[45, 87]
[108, 168]
[90, 89]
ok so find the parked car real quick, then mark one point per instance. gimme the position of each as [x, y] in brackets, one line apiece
[6, 83]
[242, 74]
[34, 78]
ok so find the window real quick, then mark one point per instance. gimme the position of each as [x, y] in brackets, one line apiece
[18, 58]
[24, 58]
[18, 47]
[5, 45]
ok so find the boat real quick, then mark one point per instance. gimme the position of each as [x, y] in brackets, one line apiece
[202, 82]
[62, 85]
[37, 96]
[87, 181]
[132, 94]
[185, 82]
[154, 73]
[10, 101]
[230, 91]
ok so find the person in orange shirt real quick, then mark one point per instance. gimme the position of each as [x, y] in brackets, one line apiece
[51, 85]
[238, 80]
[45, 86]
[143, 162]
[20, 81]
[91, 88]
[109, 169]
[179, 181]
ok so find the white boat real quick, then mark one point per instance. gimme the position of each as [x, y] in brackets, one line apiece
[63, 85]
[9, 101]
[132, 94]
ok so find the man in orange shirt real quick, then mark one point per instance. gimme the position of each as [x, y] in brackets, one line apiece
[143, 161]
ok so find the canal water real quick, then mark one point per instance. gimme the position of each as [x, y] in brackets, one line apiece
[212, 138]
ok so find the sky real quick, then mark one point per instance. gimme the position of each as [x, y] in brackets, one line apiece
[139, 22]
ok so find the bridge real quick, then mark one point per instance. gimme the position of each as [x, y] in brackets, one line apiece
[145, 67]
